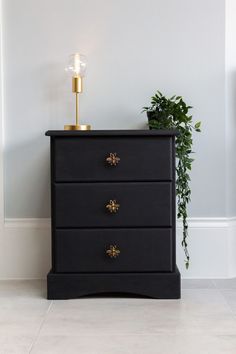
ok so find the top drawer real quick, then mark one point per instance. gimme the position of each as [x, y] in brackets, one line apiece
[85, 158]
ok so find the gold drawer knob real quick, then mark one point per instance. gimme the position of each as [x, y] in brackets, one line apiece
[113, 251]
[113, 206]
[113, 159]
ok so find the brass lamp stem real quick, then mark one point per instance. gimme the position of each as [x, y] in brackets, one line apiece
[77, 108]
[77, 88]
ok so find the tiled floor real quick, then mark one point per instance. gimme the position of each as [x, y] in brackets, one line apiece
[202, 322]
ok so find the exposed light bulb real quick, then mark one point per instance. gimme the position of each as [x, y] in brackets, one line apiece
[77, 65]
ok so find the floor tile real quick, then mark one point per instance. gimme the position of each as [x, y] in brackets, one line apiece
[225, 283]
[203, 321]
[230, 297]
[197, 284]
[15, 344]
[20, 324]
[200, 301]
[22, 316]
[22, 311]
[159, 344]
[198, 311]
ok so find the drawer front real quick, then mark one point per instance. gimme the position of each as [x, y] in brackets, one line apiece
[136, 250]
[85, 159]
[91, 204]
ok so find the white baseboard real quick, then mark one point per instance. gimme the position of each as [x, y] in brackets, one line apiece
[212, 248]
[25, 248]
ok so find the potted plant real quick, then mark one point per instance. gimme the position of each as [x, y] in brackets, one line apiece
[172, 113]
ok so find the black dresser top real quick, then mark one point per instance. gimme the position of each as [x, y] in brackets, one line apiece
[130, 132]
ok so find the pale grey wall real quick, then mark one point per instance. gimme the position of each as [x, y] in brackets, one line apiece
[134, 47]
[231, 107]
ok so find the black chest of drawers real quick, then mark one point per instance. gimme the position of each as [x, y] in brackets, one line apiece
[113, 213]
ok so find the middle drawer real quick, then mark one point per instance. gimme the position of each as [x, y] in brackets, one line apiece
[145, 204]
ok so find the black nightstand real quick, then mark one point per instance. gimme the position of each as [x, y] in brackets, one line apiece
[113, 213]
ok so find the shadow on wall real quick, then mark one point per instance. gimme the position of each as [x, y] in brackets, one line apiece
[27, 190]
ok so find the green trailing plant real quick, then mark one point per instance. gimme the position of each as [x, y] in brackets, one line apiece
[173, 113]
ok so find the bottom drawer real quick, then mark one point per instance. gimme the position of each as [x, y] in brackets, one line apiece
[137, 250]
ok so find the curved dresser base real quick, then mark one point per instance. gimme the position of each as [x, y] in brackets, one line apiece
[74, 285]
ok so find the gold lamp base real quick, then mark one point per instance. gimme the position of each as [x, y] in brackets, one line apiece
[77, 127]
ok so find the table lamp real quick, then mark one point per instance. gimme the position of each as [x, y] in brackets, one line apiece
[77, 67]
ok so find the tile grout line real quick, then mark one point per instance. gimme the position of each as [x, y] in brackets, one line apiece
[40, 327]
